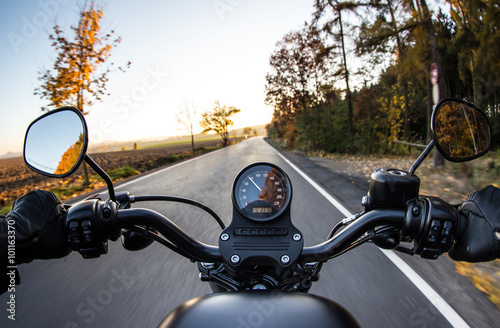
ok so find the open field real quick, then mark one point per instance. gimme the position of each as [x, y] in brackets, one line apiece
[116, 146]
[16, 179]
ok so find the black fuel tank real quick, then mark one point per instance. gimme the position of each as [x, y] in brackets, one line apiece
[250, 309]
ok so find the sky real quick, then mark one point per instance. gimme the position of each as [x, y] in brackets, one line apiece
[198, 50]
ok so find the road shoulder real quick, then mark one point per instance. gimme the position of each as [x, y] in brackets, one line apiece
[457, 290]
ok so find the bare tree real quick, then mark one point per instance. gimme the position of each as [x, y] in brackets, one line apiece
[187, 117]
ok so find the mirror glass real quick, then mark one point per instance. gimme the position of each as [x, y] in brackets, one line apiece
[55, 143]
[461, 131]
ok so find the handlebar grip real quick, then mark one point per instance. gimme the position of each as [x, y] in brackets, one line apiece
[462, 223]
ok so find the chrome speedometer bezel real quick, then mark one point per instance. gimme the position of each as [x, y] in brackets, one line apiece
[287, 190]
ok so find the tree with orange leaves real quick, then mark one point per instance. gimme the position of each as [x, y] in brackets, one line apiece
[77, 78]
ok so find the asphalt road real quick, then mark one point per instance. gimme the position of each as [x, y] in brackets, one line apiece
[138, 289]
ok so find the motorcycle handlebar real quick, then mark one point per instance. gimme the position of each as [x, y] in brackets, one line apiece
[429, 221]
[192, 247]
[208, 253]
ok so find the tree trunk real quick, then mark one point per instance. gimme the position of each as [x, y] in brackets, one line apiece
[401, 77]
[86, 181]
[192, 141]
[346, 76]
[225, 136]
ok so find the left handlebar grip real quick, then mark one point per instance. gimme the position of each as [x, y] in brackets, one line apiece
[89, 225]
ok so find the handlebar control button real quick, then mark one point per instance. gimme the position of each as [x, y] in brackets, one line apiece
[106, 212]
[432, 238]
[87, 230]
[436, 226]
[434, 233]
[446, 236]
[74, 234]
[415, 211]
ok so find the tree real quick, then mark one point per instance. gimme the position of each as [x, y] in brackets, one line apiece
[390, 34]
[187, 117]
[218, 120]
[477, 41]
[247, 131]
[77, 78]
[301, 65]
[335, 28]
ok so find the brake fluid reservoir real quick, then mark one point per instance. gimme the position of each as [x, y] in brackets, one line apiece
[392, 188]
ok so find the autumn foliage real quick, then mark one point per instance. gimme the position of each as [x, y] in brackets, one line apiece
[70, 157]
[77, 77]
[356, 78]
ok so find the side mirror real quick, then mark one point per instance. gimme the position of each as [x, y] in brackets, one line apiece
[461, 131]
[56, 142]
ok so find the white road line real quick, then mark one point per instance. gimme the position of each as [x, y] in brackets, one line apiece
[446, 310]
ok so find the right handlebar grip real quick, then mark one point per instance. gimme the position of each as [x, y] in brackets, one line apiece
[477, 240]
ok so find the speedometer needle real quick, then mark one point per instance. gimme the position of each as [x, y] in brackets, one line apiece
[254, 183]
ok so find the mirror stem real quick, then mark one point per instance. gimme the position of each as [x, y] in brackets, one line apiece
[103, 175]
[422, 156]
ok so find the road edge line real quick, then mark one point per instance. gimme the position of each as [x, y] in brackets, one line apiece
[441, 305]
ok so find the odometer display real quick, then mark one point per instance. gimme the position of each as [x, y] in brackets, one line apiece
[261, 192]
[260, 210]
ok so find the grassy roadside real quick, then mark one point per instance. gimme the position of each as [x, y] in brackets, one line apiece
[69, 190]
[6, 209]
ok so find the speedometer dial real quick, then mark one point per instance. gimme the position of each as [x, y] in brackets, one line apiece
[261, 192]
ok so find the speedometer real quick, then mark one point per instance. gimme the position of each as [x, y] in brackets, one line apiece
[262, 192]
